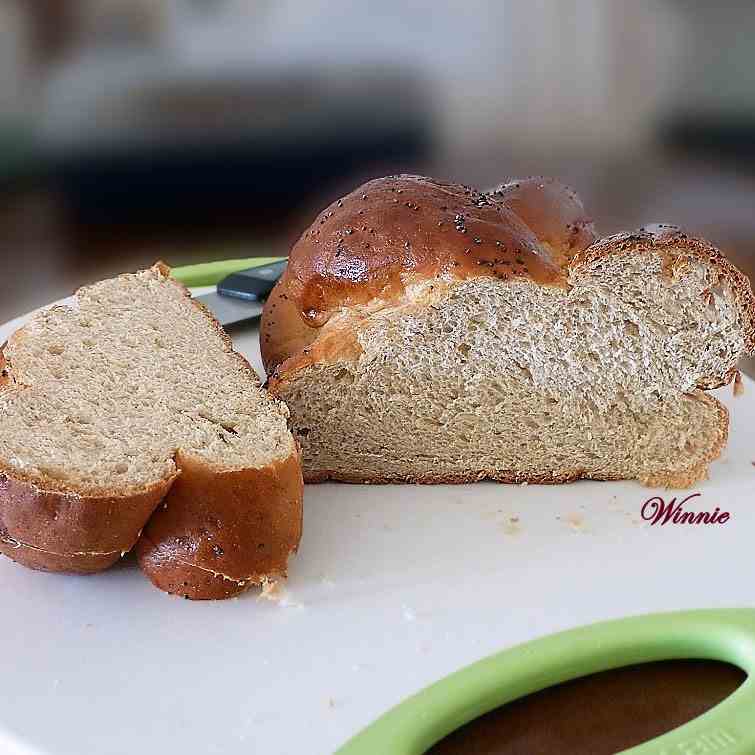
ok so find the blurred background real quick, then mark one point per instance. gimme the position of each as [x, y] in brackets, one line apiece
[191, 130]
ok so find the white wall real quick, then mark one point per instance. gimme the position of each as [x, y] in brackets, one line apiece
[574, 74]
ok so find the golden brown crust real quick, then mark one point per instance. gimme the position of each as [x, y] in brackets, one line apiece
[683, 478]
[283, 332]
[64, 530]
[321, 276]
[553, 211]
[359, 247]
[218, 533]
[340, 343]
[397, 230]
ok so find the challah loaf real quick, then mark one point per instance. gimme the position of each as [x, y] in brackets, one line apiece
[430, 332]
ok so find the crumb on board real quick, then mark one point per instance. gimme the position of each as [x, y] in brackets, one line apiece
[739, 386]
[274, 591]
[511, 526]
[271, 590]
[575, 521]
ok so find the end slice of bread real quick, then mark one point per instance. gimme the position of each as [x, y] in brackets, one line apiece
[128, 417]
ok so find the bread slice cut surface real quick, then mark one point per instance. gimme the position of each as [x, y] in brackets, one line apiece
[106, 404]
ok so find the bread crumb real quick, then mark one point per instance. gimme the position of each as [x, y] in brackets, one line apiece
[511, 526]
[575, 521]
[270, 590]
[274, 591]
[739, 386]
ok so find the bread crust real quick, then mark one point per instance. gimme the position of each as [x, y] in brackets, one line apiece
[320, 277]
[65, 530]
[395, 231]
[219, 532]
[282, 330]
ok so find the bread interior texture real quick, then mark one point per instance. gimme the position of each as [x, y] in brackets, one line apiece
[521, 382]
[105, 393]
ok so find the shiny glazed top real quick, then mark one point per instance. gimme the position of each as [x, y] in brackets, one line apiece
[400, 229]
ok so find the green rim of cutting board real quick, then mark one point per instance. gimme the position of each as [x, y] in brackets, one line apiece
[211, 273]
[413, 726]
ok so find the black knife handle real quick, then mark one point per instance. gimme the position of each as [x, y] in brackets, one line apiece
[254, 283]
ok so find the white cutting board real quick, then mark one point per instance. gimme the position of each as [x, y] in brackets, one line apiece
[394, 587]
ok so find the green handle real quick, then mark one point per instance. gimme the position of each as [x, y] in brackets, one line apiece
[211, 273]
[415, 725]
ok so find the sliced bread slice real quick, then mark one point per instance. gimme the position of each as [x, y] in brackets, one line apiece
[128, 417]
[455, 336]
